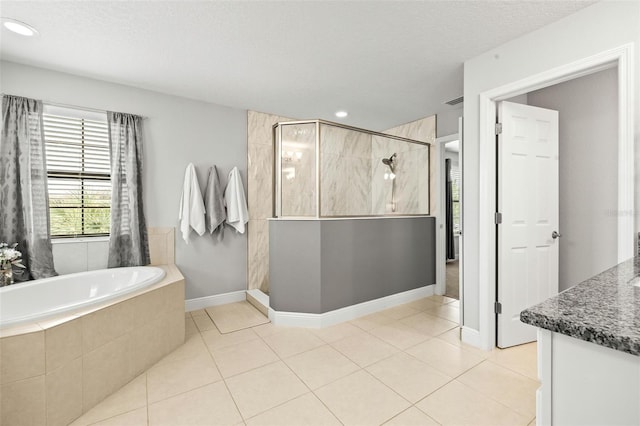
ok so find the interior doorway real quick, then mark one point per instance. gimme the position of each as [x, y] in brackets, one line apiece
[452, 210]
[449, 217]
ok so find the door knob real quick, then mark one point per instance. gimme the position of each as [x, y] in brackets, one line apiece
[555, 234]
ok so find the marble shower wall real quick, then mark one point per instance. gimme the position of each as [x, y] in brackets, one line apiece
[411, 177]
[423, 130]
[345, 181]
[259, 195]
[299, 170]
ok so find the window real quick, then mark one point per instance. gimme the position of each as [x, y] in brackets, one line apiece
[455, 198]
[78, 172]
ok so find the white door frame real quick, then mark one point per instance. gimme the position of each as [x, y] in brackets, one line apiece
[622, 57]
[441, 240]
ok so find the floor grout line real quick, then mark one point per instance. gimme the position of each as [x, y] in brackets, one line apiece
[330, 344]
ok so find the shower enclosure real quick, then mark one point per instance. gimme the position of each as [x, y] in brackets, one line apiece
[325, 169]
[350, 224]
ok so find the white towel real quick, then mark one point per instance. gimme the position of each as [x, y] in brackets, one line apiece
[237, 214]
[214, 204]
[191, 213]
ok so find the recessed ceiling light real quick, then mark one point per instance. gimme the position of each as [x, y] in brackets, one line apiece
[341, 114]
[19, 27]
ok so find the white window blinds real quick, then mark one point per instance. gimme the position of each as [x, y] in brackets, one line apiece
[78, 170]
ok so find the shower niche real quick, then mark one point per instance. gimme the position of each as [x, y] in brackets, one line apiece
[351, 222]
[325, 169]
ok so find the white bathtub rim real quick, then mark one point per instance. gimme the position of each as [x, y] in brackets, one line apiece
[170, 275]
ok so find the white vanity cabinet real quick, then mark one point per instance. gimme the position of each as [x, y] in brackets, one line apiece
[584, 383]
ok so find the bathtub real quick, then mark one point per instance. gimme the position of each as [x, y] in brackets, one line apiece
[38, 300]
[68, 342]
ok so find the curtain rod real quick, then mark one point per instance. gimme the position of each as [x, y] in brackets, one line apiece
[85, 108]
[82, 108]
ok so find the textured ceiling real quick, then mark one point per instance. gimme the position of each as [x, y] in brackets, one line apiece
[386, 62]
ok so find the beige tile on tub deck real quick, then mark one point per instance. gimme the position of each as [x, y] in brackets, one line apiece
[512, 389]
[63, 343]
[263, 388]
[458, 404]
[105, 370]
[305, 410]
[158, 248]
[410, 378]
[22, 356]
[131, 396]
[23, 402]
[320, 366]
[145, 343]
[411, 417]
[64, 393]
[208, 405]
[451, 360]
[360, 399]
[105, 325]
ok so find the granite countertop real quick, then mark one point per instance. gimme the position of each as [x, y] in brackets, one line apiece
[604, 310]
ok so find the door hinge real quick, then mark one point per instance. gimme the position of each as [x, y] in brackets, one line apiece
[498, 128]
[498, 218]
[497, 307]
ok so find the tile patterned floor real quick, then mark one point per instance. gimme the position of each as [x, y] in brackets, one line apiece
[402, 366]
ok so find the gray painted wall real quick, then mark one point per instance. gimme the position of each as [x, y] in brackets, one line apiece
[447, 121]
[588, 109]
[177, 131]
[318, 266]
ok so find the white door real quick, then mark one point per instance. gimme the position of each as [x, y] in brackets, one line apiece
[528, 244]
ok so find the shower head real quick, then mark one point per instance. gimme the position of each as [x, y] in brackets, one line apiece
[390, 161]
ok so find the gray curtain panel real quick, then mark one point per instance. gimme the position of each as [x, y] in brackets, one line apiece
[24, 216]
[128, 244]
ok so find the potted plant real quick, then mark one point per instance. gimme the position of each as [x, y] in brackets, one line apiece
[9, 257]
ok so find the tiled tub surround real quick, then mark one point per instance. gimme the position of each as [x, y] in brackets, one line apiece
[72, 255]
[53, 371]
[603, 310]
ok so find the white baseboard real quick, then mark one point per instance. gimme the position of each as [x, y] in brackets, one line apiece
[215, 300]
[300, 319]
[472, 337]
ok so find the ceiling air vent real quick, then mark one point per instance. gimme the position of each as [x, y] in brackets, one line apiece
[455, 101]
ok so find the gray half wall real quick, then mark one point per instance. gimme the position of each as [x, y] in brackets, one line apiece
[318, 266]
